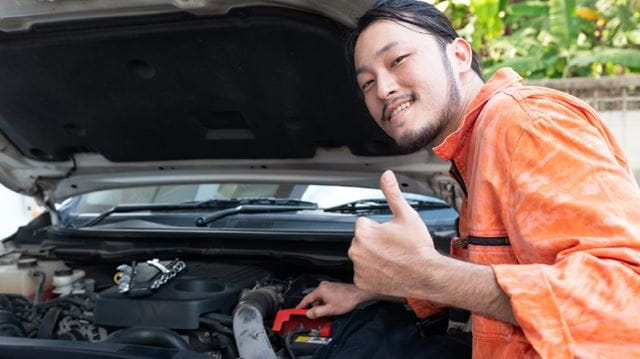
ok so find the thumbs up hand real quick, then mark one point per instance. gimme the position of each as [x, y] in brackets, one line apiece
[391, 258]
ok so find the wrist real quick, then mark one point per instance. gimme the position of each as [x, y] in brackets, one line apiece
[366, 295]
[431, 270]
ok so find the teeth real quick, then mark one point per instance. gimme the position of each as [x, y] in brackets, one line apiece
[400, 108]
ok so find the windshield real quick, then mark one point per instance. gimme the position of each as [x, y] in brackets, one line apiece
[240, 206]
[324, 196]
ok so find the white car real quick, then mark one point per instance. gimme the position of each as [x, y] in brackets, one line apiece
[197, 159]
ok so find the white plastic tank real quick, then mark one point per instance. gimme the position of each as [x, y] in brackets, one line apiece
[22, 277]
[64, 281]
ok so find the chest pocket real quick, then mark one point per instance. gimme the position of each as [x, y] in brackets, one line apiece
[491, 250]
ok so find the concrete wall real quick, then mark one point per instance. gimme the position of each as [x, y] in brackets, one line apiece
[626, 127]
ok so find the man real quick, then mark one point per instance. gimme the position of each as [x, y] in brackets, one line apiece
[548, 259]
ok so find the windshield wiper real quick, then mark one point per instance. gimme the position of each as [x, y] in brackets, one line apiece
[259, 205]
[125, 208]
[375, 204]
[230, 206]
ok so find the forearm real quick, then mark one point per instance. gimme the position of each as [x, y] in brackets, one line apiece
[366, 295]
[388, 298]
[466, 285]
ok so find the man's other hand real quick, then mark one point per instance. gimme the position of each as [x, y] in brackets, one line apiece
[331, 298]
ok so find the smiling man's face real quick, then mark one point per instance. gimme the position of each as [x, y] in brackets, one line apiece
[407, 82]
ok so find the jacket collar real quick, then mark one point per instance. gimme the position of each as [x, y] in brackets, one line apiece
[451, 145]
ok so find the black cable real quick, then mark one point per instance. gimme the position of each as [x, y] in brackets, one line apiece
[42, 277]
[216, 326]
[228, 346]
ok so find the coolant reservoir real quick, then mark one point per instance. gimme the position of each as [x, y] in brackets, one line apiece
[19, 278]
[64, 280]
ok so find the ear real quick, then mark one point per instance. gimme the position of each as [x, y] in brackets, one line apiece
[461, 56]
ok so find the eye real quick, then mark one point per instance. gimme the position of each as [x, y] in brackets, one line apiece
[366, 85]
[398, 60]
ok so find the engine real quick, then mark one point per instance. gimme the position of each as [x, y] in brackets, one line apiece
[224, 310]
[181, 302]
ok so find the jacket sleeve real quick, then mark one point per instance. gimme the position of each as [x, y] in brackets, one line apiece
[575, 207]
[424, 308]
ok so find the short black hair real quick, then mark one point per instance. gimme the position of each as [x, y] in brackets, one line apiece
[414, 12]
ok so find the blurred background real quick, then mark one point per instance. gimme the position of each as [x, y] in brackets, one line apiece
[589, 48]
[551, 39]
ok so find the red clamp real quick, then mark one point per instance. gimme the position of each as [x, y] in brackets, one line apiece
[291, 319]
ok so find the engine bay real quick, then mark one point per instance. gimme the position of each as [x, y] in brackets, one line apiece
[225, 310]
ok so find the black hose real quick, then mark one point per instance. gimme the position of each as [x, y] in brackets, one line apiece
[65, 300]
[10, 326]
[5, 303]
[228, 346]
[220, 318]
[157, 337]
[216, 326]
[287, 341]
[249, 331]
[265, 299]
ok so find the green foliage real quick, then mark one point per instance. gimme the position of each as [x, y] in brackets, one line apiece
[625, 57]
[492, 26]
[562, 22]
[551, 38]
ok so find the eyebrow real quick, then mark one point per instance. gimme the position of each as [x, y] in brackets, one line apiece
[378, 53]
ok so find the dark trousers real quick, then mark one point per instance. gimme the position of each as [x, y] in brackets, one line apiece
[388, 330]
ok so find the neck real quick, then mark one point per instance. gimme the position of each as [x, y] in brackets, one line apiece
[470, 87]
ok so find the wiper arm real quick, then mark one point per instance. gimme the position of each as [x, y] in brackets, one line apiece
[259, 205]
[158, 207]
[369, 205]
[252, 208]
[273, 201]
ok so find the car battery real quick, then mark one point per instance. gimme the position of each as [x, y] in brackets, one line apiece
[303, 336]
[307, 344]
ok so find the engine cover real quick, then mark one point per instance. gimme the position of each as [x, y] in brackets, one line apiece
[179, 304]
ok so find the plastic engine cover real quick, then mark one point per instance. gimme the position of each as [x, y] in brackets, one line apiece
[179, 303]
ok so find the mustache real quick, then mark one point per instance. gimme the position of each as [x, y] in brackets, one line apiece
[393, 100]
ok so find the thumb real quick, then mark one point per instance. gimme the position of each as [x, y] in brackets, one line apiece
[318, 311]
[395, 200]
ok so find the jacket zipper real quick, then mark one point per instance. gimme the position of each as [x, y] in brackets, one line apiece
[458, 177]
[488, 241]
[480, 241]
[460, 242]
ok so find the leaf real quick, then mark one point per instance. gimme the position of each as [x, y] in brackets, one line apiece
[522, 65]
[528, 8]
[562, 22]
[634, 36]
[625, 57]
[488, 24]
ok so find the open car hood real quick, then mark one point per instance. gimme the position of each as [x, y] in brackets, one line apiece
[99, 95]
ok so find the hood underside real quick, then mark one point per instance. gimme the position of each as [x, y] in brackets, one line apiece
[263, 92]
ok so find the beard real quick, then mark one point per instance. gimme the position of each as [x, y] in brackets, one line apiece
[425, 135]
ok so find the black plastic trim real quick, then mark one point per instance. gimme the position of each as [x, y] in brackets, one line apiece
[489, 241]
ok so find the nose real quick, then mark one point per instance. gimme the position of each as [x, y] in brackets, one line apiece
[387, 86]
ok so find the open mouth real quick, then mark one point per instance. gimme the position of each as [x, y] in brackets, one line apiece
[400, 108]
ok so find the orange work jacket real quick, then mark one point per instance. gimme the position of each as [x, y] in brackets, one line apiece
[551, 204]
